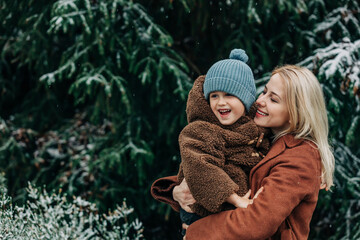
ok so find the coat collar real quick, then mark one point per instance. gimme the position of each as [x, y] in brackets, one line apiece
[290, 141]
[287, 141]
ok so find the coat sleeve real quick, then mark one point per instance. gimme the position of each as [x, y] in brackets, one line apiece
[292, 178]
[202, 156]
[162, 189]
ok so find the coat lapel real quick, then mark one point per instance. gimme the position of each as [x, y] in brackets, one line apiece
[276, 149]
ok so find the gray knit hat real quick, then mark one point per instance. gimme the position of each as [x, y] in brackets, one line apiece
[232, 76]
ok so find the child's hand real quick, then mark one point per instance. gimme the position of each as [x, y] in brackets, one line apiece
[238, 201]
[244, 201]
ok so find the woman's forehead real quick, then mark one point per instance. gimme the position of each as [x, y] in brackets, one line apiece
[276, 85]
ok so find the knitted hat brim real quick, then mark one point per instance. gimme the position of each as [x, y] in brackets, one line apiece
[229, 86]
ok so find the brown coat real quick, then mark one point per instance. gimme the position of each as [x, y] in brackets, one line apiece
[290, 174]
[217, 159]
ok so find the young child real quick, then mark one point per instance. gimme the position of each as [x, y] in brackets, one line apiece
[221, 143]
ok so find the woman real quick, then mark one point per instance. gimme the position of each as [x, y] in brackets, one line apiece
[299, 163]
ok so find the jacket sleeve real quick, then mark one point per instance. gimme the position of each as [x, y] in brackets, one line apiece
[291, 180]
[162, 189]
[202, 156]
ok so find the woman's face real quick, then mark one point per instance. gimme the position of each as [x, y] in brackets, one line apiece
[272, 111]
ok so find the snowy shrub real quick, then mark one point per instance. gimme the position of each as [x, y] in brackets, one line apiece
[53, 216]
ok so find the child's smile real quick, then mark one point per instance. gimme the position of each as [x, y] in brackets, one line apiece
[224, 113]
[226, 107]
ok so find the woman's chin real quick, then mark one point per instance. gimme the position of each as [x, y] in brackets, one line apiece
[258, 121]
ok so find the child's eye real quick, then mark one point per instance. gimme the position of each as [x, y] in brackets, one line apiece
[229, 95]
[213, 95]
[273, 100]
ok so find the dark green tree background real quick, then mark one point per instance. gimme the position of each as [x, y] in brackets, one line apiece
[93, 92]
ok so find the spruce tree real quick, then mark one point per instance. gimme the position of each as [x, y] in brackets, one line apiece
[93, 93]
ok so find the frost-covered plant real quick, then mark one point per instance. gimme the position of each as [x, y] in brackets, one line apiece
[3, 188]
[337, 215]
[54, 216]
[340, 22]
[338, 69]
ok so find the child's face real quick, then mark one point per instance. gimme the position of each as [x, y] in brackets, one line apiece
[226, 107]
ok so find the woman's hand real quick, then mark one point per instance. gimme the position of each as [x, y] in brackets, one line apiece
[183, 196]
[244, 201]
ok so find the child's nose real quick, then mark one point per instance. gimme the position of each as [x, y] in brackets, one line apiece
[221, 101]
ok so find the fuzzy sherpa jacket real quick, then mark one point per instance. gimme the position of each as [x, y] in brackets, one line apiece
[216, 159]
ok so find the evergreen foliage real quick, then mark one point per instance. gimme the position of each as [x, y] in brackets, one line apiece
[93, 93]
[338, 69]
[108, 62]
[272, 32]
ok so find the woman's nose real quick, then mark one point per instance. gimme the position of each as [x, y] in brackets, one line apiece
[260, 101]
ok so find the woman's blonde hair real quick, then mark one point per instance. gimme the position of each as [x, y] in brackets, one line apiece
[308, 116]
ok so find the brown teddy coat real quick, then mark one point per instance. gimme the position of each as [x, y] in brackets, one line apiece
[216, 159]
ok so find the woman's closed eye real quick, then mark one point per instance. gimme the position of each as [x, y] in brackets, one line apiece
[271, 97]
[274, 100]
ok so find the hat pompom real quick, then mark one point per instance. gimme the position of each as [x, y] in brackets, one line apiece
[239, 54]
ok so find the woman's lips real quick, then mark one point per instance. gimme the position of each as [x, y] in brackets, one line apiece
[260, 113]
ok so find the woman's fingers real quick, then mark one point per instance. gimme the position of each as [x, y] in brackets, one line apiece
[183, 201]
[186, 208]
[184, 185]
[247, 195]
[189, 199]
[183, 196]
[258, 192]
